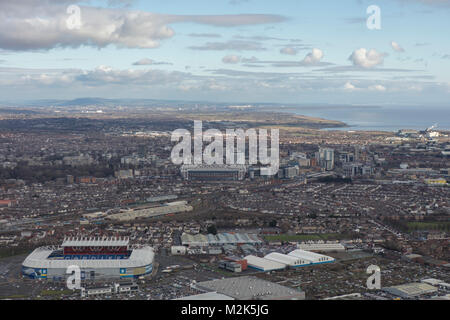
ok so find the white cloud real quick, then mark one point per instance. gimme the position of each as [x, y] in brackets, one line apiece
[45, 79]
[252, 59]
[120, 3]
[349, 86]
[205, 35]
[313, 58]
[213, 85]
[416, 87]
[237, 45]
[397, 47]
[367, 58]
[148, 62]
[104, 75]
[45, 27]
[289, 51]
[377, 87]
[36, 25]
[231, 59]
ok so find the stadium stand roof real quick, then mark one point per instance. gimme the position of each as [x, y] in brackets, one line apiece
[95, 242]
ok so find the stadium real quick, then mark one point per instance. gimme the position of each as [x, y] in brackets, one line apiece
[98, 258]
[213, 172]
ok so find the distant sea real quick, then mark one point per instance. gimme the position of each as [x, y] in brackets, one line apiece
[361, 118]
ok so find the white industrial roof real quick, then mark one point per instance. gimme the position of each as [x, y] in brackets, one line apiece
[254, 237]
[264, 264]
[230, 237]
[222, 238]
[311, 256]
[212, 238]
[321, 246]
[411, 289]
[433, 282]
[219, 239]
[285, 259]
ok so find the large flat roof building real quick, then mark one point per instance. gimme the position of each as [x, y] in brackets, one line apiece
[411, 290]
[207, 296]
[141, 213]
[313, 258]
[262, 264]
[251, 288]
[290, 261]
[321, 247]
[220, 239]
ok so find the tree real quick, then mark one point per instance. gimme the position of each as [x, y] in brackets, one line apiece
[212, 229]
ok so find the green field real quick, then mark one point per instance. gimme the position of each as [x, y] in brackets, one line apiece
[441, 226]
[304, 237]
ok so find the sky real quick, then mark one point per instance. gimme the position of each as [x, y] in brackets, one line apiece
[244, 51]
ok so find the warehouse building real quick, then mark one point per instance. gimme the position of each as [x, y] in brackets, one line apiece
[117, 288]
[411, 290]
[198, 240]
[250, 288]
[221, 239]
[432, 282]
[441, 285]
[321, 247]
[209, 296]
[313, 258]
[262, 264]
[241, 261]
[162, 198]
[230, 266]
[290, 261]
[150, 212]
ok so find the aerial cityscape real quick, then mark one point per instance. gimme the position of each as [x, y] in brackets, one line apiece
[235, 151]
